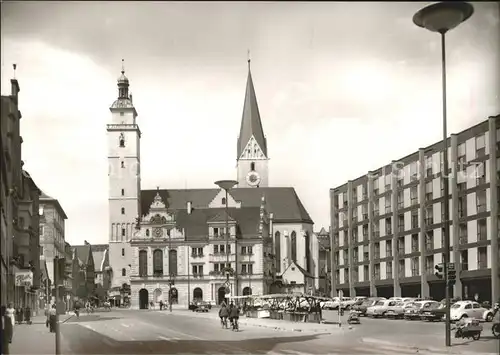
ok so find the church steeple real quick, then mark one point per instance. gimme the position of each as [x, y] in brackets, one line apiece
[252, 158]
[251, 124]
[123, 84]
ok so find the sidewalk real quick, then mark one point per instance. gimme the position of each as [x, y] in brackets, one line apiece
[434, 344]
[40, 319]
[35, 339]
[282, 325]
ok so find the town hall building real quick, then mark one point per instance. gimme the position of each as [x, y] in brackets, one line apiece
[171, 244]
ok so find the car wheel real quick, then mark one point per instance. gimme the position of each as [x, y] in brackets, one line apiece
[489, 317]
[463, 316]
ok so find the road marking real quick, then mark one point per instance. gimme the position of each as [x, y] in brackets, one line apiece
[173, 340]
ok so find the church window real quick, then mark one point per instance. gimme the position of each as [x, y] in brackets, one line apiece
[158, 262]
[143, 263]
[223, 200]
[147, 232]
[123, 192]
[294, 246]
[252, 166]
[123, 164]
[123, 210]
[122, 140]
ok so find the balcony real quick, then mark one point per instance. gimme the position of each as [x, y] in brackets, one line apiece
[198, 275]
[197, 255]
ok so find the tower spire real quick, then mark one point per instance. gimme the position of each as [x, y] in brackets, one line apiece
[251, 125]
[123, 66]
[123, 83]
[248, 59]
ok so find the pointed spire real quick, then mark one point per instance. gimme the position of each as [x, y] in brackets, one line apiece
[15, 67]
[123, 83]
[251, 124]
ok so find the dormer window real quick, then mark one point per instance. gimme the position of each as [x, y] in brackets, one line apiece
[252, 166]
[122, 140]
[223, 200]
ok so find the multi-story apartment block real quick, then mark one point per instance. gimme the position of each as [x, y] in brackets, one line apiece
[52, 237]
[387, 226]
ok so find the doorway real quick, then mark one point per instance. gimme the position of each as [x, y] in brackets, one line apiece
[143, 299]
[247, 291]
[221, 295]
[197, 294]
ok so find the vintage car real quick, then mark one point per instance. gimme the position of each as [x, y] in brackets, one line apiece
[470, 309]
[380, 308]
[398, 310]
[414, 311]
[361, 308]
[201, 306]
[434, 312]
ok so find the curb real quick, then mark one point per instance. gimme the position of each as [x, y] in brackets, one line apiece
[269, 326]
[415, 348]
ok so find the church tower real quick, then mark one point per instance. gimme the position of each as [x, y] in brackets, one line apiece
[124, 138]
[252, 158]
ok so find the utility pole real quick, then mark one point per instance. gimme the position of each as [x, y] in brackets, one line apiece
[57, 277]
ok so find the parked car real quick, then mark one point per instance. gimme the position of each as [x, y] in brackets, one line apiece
[380, 308]
[414, 310]
[398, 310]
[434, 312]
[202, 306]
[470, 309]
[361, 308]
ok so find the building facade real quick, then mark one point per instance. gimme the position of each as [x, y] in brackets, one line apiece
[20, 266]
[387, 226]
[290, 230]
[84, 272]
[52, 237]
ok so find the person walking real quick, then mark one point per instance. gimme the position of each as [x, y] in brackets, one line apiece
[234, 316]
[6, 330]
[223, 314]
[10, 312]
[52, 319]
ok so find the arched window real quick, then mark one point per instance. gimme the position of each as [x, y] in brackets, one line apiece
[252, 166]
[147, 232]
[172, 262]
[277, 251]
[122, 140]
[294, 246]
[308, 251]
[124, 272]
[123, 192]
[123, 210]
[158, 262]
[143, 263]
[223, 200]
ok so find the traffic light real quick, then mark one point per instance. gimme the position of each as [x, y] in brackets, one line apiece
[439, 271]
[452, 274]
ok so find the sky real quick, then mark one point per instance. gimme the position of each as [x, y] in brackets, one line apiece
[343, 88]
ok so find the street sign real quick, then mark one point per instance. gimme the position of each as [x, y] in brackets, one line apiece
[451, 266]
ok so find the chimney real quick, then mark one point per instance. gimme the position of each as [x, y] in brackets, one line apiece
[189, 207]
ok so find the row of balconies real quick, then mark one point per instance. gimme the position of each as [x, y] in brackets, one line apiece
[415, 271]
[198, 255]
[213, 273]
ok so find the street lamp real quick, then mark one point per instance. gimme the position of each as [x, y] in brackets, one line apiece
[441, 18]
[226, 185]
[171, 282]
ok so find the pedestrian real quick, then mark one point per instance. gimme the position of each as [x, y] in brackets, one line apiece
[11, 314]
[223, 314]
[27, 315]
[161, 305]
[234, 315]
[7, 330]
[52, 319]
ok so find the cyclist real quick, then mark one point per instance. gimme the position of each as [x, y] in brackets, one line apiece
[223, 314]
[234, 315]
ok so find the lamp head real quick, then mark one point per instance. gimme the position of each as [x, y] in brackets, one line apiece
[226, 184]
[443, 16]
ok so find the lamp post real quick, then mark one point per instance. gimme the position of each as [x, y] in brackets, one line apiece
[226, 185]
[441, 18]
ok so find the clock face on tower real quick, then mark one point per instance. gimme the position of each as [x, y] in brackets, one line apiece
[253, 178]
[158, 232]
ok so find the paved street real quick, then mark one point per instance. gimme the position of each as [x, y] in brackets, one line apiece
[155, 332]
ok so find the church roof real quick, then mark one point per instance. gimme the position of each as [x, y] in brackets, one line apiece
[195, 225]
[283, 202]
[251, 125]
[323, 232]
